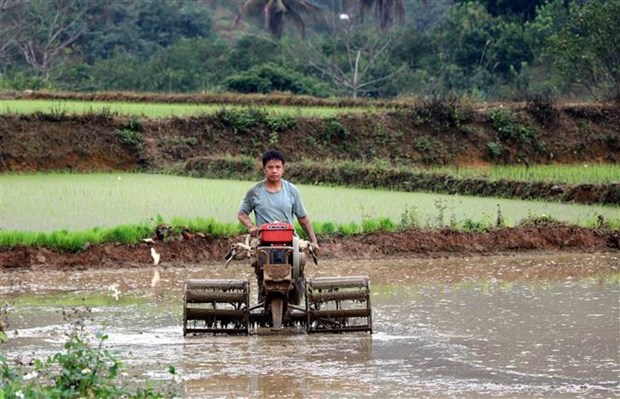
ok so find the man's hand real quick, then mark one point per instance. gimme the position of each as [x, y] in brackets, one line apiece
[253, 231]
[247, 222]
[312, 247]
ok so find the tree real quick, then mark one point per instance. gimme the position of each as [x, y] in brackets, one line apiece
[586, 49]
[188, 65]
[275, 12]
[9, 27]
[522, 10]
[465, 36]
[143, 27]
[355, 61]
[385, 11]
[48, 28]
[252, 50]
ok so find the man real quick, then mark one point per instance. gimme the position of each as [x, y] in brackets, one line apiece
[274, 199]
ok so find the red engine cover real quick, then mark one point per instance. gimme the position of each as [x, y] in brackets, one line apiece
[276, 233]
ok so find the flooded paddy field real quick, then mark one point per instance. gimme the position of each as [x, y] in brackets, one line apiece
[518, 326]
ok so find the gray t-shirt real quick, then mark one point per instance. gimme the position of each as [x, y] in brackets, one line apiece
[281, 206]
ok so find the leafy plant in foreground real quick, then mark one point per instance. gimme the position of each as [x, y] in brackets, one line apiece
[82, 370]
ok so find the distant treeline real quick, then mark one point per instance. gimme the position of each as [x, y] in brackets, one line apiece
[485, 49]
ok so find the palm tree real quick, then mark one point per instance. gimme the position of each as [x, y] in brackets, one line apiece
[275, 12]
[385, 11]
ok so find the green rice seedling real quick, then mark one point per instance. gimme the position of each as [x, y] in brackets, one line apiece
[128, 234]
[64, 240]
[473, 225]
[370, 225]
[378, 224]
[326, 228]
[349, 229]
[207, 226]
[75, 241]
[386, 224]
[57, 108]
[50, 202]
[570, 174]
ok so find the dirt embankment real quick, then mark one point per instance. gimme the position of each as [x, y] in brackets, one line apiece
[437, 134]
[180, 251]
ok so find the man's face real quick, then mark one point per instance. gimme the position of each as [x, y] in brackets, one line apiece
[274, 169]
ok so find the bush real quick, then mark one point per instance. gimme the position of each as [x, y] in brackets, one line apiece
[494, 150]
[80, 371]
[130, 137]
[267, 78]
[508, 127]
[334, 130]
[242, 120]
[441, 112]
[537, 220]
[278, 123]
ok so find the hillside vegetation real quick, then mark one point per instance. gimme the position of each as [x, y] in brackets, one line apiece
[483, 49]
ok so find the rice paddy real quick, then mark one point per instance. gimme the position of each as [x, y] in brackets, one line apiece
[585, 173]
[49, 202]
[155, 110]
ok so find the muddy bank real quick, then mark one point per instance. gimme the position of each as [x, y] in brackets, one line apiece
[429, 134]
[415, 243]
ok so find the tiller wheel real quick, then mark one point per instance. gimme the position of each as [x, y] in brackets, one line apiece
[216, 306]
[338, 304]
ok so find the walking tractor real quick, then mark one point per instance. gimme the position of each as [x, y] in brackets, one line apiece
[286, 300]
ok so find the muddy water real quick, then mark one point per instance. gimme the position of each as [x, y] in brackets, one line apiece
[516, 326]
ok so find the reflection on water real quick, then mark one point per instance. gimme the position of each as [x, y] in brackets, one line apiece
[527, 326]
[278, 366]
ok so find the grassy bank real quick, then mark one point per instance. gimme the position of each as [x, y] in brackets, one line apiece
[72, 211]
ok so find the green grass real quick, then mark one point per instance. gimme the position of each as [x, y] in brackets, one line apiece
[586, 173]
[76, 202]
[156, 110]
[76, 240]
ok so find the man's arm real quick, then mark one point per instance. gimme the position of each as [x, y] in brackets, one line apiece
[247, 222]
[306, 224]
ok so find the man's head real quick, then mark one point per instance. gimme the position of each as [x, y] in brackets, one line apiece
[271, 155]
[273, 166]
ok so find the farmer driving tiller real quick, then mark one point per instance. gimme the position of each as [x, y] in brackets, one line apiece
[332, 304]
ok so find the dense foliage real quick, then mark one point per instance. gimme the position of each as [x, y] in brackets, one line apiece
[485, 49]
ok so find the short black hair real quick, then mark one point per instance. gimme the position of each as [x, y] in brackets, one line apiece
[271, 155]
